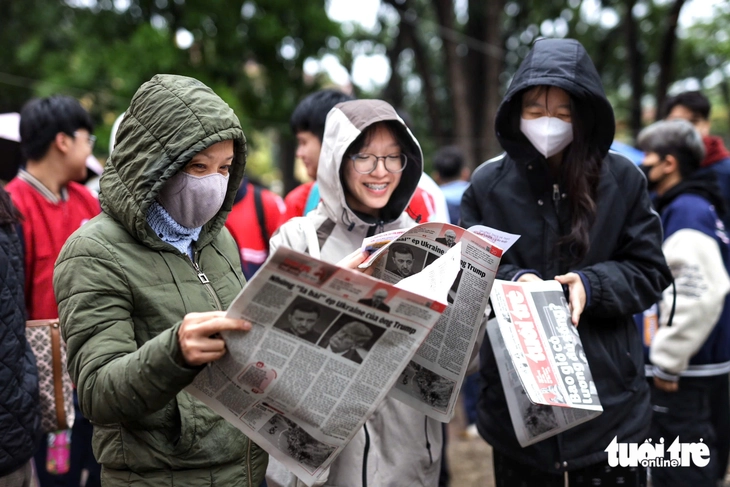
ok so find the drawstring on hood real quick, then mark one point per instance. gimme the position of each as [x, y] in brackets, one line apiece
[345, 122]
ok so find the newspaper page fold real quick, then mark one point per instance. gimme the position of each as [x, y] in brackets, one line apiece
[325, 347]
[432, 380]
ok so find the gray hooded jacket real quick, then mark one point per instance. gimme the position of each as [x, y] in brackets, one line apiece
[398, 446]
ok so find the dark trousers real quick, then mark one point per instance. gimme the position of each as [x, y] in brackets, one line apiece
[720, 418]
[510, 473]
[685, 414]
[81, 457]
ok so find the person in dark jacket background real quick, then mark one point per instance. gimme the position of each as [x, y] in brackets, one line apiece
[19, 406]
[694, 107]
[586, 221]
[697, 344]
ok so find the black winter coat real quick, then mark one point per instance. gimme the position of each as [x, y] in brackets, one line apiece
[624, 266]
[19, 410]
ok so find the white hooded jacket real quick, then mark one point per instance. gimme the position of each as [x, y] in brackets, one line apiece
[398, 446]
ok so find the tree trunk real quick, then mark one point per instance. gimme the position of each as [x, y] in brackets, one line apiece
[393, 92]
[494, 67]
[635, 67]
[286, 156]
[463, 132]
[666, 56]
[408, 32]
[476, 72]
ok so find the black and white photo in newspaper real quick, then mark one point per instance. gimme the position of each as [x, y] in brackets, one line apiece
[325, 347]
[432, 380]
[532, 422]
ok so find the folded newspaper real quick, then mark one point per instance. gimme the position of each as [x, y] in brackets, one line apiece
[544, 371]
[328, 344]
[432, 380]
[321, 355]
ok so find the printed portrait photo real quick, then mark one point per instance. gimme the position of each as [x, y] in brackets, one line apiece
[351, 338]
[405, 260]
[448, 238]
[377, 300]
[305, 319]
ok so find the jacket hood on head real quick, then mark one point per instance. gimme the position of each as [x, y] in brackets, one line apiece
[345, 122]
[170, 119]
[563, 63]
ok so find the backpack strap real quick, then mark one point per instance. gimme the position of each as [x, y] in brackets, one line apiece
[316, 237]
[312, 199]
[260, 215]
[310, 236]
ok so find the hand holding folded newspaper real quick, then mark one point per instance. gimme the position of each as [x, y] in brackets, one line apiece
[544, 371]
[325, 347]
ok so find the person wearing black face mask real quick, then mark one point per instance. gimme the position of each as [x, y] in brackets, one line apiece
[691, 358]
[647, 169]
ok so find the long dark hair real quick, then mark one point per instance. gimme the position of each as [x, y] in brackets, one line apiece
[580, 173]
[9, 215]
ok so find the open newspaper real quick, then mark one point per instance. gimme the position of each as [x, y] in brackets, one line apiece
[325, 347]
[432, 380]
[544, 371]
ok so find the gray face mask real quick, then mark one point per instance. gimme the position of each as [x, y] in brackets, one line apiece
[193, 200]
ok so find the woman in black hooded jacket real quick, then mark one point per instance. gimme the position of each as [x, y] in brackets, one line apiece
[19, 407]
[585, 219]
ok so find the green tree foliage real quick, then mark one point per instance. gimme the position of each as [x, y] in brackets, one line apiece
[250, 52]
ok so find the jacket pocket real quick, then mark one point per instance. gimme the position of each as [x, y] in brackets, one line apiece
[615, 356]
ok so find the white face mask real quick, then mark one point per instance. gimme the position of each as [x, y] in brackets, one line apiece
[549, 135]
[193, 200]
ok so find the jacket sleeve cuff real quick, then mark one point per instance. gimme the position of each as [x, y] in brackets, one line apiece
[658, 372]
[168, 370]
[522, 272]
[592, 284]
[586, 286]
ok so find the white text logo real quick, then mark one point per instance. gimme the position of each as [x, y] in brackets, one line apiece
[648, 454]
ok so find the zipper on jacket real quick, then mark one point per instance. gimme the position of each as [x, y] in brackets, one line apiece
[205, 281]
[365, 457]
[556, 198]
[556, 193]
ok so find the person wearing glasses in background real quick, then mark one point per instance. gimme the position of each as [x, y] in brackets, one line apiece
[56, 138]
[368, 171]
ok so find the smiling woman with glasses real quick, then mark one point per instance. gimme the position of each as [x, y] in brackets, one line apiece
[369, 168]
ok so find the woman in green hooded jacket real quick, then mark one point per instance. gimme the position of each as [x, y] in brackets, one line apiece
[142, 287]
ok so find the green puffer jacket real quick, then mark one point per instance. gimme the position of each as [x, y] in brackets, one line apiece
[122, 293]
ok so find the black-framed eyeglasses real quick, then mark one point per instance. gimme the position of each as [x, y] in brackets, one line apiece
[367, 163]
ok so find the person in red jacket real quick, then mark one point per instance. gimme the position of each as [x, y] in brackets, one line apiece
[307, 124]
[56, 138]
[257, 213]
